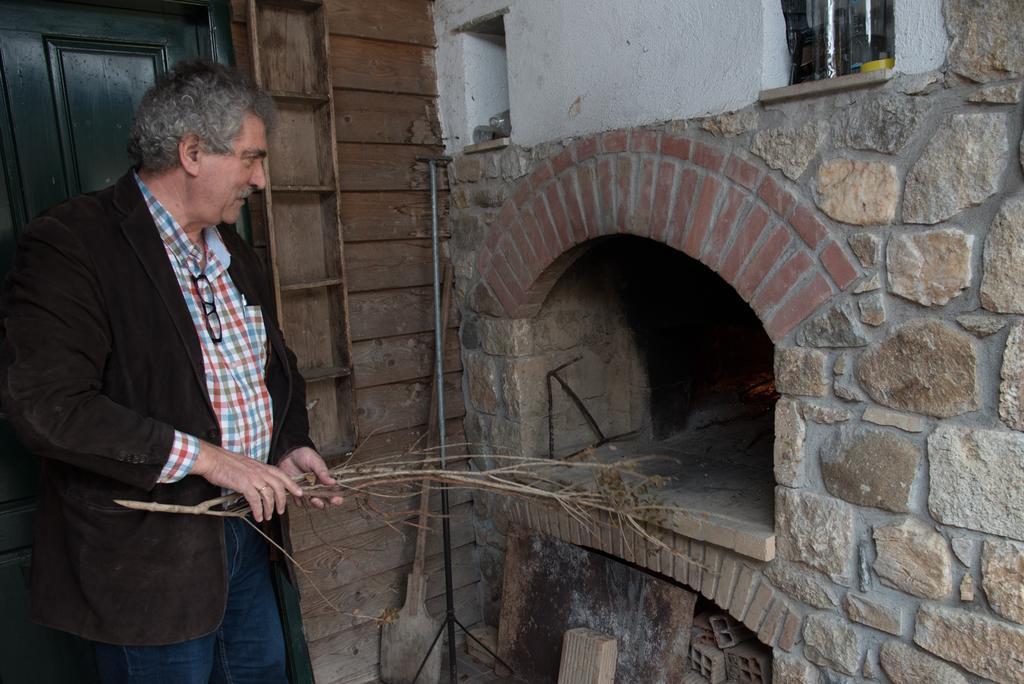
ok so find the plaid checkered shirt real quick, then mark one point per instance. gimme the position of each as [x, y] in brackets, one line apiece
[235, 365]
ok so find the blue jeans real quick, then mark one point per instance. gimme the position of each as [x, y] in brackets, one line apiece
[247, 648]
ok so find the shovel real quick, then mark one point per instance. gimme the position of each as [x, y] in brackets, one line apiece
[405, 640]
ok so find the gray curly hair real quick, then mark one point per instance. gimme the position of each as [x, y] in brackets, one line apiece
[200, 97]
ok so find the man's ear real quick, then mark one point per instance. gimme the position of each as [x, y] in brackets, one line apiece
[189, 151]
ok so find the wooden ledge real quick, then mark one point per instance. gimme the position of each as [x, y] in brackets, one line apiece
[825, 86]
[486, 146]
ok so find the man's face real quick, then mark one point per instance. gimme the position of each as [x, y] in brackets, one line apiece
[226, 180]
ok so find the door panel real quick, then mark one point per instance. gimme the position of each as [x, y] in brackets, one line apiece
[73, 75]
[100, 85]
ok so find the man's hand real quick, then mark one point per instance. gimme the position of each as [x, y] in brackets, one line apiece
[263, 486]
[305, 460]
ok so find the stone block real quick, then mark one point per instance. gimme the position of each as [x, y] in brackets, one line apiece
[863, 193]
[514, 162]
[872, 310]
[871, 468]
[814, 530]
[847, 391]
[866, 247]
[1011, 387]
[506, 336]
[790, 433]
[924, 367]
[1002, 289]
[880, 616]
[980, 644]
[1006, 93]
[801, 584]
[883, 123]
[482, 301]
[912, 557]
[824, 415]
[524, 387]
[1002, 577]
[505, 437]
[489, 195]
[967, 589]
[982, 326]
[483, 380]
[789, 669]
[731, 124]
[881, 416]
[961, 167]
[468, 168]
[991, 462]
[906, 665]
[930, 268]
[830, 642]
[870, 284]
[800, 371]
[790, 149]
[984, 39]
[964, 549]
[835, 328]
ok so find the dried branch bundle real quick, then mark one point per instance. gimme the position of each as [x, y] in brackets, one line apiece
[612, 495]
[590, 492]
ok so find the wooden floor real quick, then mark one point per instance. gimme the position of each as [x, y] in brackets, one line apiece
[472, 671]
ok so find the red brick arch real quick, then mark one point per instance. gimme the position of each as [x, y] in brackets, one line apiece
[719, 207]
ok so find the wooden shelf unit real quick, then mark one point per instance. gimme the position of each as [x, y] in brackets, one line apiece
[289, 44]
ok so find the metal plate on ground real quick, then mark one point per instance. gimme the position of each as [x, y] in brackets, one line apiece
[550, 586]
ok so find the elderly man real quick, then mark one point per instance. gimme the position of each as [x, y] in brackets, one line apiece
[142, 360]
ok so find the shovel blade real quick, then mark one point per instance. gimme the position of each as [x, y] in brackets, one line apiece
[405, 640]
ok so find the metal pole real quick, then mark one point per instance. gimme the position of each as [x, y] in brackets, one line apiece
[449, 590]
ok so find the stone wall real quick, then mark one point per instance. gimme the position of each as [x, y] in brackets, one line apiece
[879, 236]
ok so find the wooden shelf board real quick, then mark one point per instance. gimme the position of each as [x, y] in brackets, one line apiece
[486, 146]
[300, 98]
[318, 189]
[292, 4]
[329, 373]
[311, 285]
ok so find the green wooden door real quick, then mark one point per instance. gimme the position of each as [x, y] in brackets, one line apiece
[71, 76]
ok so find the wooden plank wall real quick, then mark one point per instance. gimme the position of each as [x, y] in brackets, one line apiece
[385, 90]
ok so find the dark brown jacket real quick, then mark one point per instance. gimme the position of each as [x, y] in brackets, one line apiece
[100, 363]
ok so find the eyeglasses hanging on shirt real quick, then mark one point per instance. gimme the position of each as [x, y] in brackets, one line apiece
[204, 290]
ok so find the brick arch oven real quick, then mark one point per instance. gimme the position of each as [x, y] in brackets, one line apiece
[653, 274]
[865, 248]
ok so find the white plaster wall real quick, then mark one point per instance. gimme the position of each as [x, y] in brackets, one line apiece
[581, 66]
[775, 61]
[921, 39]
